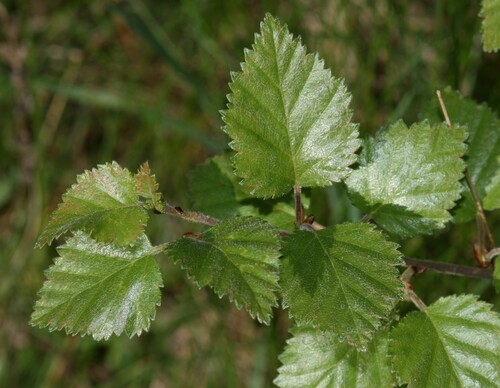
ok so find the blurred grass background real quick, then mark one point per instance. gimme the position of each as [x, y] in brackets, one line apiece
[83, 83]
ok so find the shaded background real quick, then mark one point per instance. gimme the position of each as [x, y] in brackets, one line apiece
[83, 83]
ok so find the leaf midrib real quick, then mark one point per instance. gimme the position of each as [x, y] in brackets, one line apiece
[253, 293]
[132, 262]
[339, 281]
[285, 112]
[443, 345]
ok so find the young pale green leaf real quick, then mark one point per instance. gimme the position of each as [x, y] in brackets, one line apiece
[238, 258]
[288, 117]
[455, 342]
[412, 179]
[147, 188]
[100, 289]
[103, 202]
[341, 278]
[315, 358]
[483, 142]
[492, 198]
[215, 191]
[490, 11]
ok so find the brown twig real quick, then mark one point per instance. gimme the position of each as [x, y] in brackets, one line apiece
[443, 108]
[450, 269]
[493, 253]
[191, 216]
[483, 226]
[410, 295]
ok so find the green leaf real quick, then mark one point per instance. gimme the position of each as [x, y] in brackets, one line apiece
[490, 11]
[315, 358]
[492, 198]
[216, 191]
[455, 342]
[483, 144]
[341, 278]
[412, 179]
[214, 188]
[100, 289]
[496, 276]
[288, 117]
[147, 188]
[103, 202]
[238, 258]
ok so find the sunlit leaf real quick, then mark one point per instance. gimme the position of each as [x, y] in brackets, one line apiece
[238, 258]
[455, 342]
[315, 358]
[100, 289]
[147, 188]
[102, 202]
[412, 179]
[341, 278]
[288, 117]
[483, 148]
[490, 11]
[492, 198]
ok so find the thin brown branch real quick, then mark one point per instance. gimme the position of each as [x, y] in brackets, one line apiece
[493, 253]
[449, 268]
[409, 294]
[480, 212]
[415, 299]
[443, 108]
[190, 216]
[408, 273]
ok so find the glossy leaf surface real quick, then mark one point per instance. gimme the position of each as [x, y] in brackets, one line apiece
[412, 179]
[483, 149]
[455, 342]
[238, 258]
[315, 358]
[341, 278]
[103, 202]
[100, 289]
[288, 117]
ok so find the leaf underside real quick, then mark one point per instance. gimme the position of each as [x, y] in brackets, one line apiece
[455, 342]
[315, 358]
[341, 279]
[490, 11]
[288, 117]
[483, 150]
[412, 179]
[238, 258]
[103, 202]
[99, 289]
